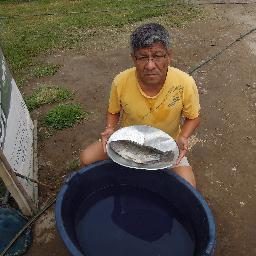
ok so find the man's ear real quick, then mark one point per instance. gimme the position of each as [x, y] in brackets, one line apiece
[133, 57]
[169, 54]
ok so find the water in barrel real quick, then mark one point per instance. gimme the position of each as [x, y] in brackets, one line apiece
[127, 221]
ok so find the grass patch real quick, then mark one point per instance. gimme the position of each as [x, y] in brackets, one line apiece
[47, 94]
[45, 70]
[30, 28]
[64, 116]
[73, 164]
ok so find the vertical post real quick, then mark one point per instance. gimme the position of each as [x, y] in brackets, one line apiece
[19, 194]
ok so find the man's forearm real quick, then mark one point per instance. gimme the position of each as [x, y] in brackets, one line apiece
[112, 120]
[189, 127]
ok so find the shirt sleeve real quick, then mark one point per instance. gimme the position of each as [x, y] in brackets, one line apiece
[114, 100]
[191, 105]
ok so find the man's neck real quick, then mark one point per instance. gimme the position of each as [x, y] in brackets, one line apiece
[151, 90]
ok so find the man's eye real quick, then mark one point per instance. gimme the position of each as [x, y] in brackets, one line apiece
[158, 57]
[143, 58]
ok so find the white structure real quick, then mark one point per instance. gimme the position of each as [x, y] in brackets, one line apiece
[16, 132]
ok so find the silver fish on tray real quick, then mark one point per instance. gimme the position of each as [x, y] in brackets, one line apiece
[138, 153]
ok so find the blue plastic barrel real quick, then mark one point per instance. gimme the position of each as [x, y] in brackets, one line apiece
[172, 188]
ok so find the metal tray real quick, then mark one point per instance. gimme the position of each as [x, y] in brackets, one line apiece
[148, 136]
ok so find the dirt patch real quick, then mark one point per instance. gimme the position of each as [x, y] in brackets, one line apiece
[223, 152]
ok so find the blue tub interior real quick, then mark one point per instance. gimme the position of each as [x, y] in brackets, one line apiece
[161, 203]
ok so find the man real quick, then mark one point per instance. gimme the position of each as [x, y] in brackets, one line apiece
[151, 93]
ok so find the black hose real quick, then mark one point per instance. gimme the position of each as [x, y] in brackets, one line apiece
[221, 51]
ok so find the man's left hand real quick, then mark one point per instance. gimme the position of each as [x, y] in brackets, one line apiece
[183, 147]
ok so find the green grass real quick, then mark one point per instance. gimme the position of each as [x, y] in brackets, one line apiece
[73, 164]
[46, 94]
[31, 28]
[45, 70]
[64, 116]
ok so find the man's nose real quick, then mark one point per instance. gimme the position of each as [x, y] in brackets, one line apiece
[150, 63]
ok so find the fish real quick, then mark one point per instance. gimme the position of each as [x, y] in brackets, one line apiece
[140, 154]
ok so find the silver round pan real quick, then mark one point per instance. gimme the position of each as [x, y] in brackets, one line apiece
[146, 136]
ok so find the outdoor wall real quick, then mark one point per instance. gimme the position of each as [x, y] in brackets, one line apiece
[16, 129]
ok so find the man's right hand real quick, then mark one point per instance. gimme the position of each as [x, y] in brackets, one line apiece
[182, 143]
[105, 136]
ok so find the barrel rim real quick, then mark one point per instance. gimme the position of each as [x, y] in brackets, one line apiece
[72, 248]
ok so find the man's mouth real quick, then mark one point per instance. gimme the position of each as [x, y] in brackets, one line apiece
[149, 74]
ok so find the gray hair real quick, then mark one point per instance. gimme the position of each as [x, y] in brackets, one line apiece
[148, 34]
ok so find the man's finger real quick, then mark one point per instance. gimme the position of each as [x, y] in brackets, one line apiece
[181, 155]
[104, 143]
[103, 134]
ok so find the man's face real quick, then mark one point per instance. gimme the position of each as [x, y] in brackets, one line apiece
[151, 64]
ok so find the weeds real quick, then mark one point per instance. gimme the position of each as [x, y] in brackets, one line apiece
[47, 94]
[45, 70]
[73, 164]
[64, 116]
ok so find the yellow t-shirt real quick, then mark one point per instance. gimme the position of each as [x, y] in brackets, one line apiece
[178, 97]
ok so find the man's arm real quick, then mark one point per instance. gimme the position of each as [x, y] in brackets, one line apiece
[112, 120]
[187, 130]
[111, 124]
